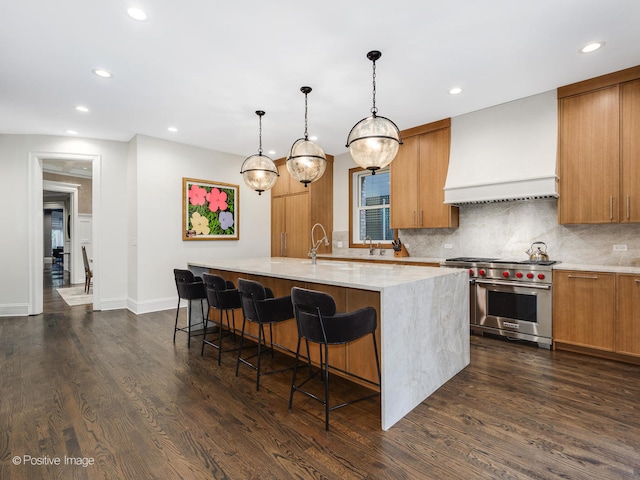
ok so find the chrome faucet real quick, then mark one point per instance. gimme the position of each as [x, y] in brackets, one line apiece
[380, 248]
[313, 251]
[368, 237]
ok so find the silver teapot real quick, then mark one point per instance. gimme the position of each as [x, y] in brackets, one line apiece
[538, 255]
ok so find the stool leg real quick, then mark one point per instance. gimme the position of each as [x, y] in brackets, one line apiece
[260, 340]
[175, 327]
[244, 321]
[295, 372]
[326, 386]
[189, 324]
[220, 338]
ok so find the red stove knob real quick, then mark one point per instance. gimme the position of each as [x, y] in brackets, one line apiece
[541, 276]
[505, 274]
[529, 275]
[482, 273]
[471, 272]
[519, 274]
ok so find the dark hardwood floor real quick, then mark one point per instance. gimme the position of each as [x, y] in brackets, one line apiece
[112, 387]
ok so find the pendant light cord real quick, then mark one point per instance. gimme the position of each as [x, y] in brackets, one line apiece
[260, 136]
[306, 135]
[374, 110]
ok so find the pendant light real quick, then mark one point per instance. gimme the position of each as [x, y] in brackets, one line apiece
[259, 171]
[306, 161]
[374, 141]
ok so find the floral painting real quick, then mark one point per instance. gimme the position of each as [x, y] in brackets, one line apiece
[209, 210]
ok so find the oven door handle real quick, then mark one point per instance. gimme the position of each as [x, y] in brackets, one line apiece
[514, 284]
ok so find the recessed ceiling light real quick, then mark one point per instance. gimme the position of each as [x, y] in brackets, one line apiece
[136, 13]
[82, 108]
[71, 132]
[455, 91]
[272, 152]
[172, 129]
[591, 47]
[313, 138]
[101, 72]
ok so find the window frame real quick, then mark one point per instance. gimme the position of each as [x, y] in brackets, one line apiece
[355, 173]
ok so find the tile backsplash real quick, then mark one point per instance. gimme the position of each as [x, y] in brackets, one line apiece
[507, 230]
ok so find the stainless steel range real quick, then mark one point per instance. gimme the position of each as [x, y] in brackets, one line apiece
[510, 298]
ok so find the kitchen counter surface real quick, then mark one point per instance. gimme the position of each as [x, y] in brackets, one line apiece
[377, 258]
[634, 270]
[389, 258]
[423, 318]
[362, 275]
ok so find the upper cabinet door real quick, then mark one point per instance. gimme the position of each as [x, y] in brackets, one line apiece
[404, 174]
[589, 157]
[434, 162]
[630, 163]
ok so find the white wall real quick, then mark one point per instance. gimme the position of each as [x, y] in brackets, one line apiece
[341, 165]
[14, 201]
[160, 167]
[140, 202]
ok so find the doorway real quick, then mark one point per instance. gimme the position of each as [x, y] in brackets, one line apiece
[37, 186]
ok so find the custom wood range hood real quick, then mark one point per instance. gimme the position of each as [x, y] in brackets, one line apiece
[506, 152]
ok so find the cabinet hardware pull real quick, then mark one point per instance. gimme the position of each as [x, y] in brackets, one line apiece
[414, 218]
[495, 283]
[611, 207]
[421, 219]
[637, 281]
[628, 206]
[586, 277]
[285, 244]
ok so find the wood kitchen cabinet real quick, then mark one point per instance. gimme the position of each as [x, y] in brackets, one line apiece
[596, 311]
[583, 309]
[418, 175]
[290, 227]
[599, 149]
[627, 316]
[295, 209]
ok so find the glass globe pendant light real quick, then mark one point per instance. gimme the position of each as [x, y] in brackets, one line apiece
[259, 171]
[306, 161]
[374, 141]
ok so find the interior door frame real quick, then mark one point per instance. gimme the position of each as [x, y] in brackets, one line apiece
[35, 215]
[72, 190]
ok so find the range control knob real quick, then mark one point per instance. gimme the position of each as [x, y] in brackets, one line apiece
[505, 274]
[529, 275]
[519, 274]
[482, 273]
[541, 276]
[471, 272]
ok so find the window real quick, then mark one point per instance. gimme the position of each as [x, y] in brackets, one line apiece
[370, 206]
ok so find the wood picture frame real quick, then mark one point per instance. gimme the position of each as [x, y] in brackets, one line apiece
[210, 210]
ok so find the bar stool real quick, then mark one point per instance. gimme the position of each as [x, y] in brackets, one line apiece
[189, 288]
[259, 306]
[223, 296]
[319, 323]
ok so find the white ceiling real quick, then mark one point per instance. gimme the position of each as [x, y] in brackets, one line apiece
[205, 66]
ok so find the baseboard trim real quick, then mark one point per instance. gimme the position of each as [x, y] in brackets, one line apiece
[14, 310]
[113, 304]
[149, 306]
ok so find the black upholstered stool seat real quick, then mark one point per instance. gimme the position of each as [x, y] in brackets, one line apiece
[189, 288]
[259, 306]
[318, 322]
[223, 296]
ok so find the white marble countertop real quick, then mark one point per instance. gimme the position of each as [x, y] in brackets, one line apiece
[630, 269]
[387, 257]
[367, 276]
[598, 268]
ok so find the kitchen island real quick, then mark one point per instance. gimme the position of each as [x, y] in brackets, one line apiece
[423, 318]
